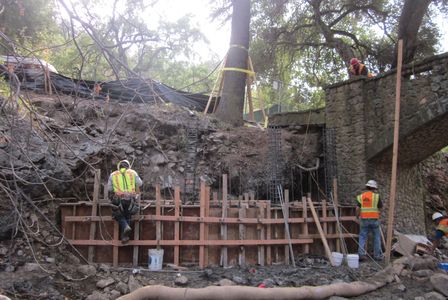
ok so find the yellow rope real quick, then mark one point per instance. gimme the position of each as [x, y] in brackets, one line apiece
[251, 73]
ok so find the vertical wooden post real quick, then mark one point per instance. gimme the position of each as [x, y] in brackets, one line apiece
[286, 217]
[276, 253]
[260, 232]
[176, 225]
[96, 196]
[305, 224]
[115, 245]
[202, 225]
[224, 261]
[242, 233]
[324, 215]
[393, 184]
[268, 235]
[158, 223]
[207, 214]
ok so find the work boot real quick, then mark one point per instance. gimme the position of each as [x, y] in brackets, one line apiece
[125, 235]
[379, 258]
[362, 258]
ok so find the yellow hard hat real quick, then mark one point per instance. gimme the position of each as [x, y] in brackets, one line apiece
[123, 162]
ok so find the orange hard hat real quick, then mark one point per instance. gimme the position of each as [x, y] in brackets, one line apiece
[354, 61]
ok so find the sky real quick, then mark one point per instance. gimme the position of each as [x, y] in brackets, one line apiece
[200, 10]
[218, 34]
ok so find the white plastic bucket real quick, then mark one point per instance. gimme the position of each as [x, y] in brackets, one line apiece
[155, 259]
[353, 261]
[337, 258]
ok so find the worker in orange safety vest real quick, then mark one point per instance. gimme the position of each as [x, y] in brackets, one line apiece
[441, 223]
[368, 210]
[124, 183]
[358, 69]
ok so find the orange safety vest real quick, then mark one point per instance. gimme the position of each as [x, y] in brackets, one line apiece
[443, 226]
[357, 72]
[369, 205]
[123, 182]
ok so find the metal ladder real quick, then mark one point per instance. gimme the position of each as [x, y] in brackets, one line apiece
[190, 186]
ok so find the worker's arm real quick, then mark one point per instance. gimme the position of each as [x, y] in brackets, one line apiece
[110, 187]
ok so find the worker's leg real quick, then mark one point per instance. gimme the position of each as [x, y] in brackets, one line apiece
[377, 253]
[363, 233]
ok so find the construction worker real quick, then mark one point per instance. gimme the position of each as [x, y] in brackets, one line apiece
[124, 183]
[368, 210]
[358, 69]
[441, 223]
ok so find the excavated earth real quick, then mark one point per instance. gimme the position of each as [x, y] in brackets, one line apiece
[50, 146]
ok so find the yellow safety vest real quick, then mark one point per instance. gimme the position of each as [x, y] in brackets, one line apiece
[123, 181]
[369, 205]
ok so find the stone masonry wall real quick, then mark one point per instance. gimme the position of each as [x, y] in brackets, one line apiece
[362, 112]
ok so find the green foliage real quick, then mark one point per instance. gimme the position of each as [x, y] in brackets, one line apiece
[30, 24]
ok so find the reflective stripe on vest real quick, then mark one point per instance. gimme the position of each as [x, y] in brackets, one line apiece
[123, 182]
[443, 226]
[369, 205]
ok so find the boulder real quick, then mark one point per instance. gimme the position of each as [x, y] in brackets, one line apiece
[105, 282]
[440, 283]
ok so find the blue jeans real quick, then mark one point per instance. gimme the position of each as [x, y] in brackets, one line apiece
[370, 225]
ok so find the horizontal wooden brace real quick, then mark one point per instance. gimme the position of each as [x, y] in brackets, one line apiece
[190, 242]
[212, 220]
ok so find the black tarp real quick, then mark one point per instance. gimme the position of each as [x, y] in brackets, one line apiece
[133, 89]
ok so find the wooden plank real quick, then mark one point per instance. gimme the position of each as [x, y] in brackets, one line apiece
[115, 244]
[276, 253]
[321, 233]
[268, 235]
[214, 220]
[206, 214]
[324, 215]
[224, 259]
[230, 243]
[393, 183]
[176, 225]
[242, 234]
[202, 226]
[261, 234]
[96, 196]
[305, 231]
[158, 222]
[286, 217]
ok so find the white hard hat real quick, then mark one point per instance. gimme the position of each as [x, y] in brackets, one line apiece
[436, 215]
[372, 184]
[125, 162]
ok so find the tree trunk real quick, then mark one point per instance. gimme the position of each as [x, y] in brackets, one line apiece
[231, 105]
[410, 20]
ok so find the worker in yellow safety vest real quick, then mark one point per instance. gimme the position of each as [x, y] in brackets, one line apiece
[441, 223]
[368, 210]
[124, 183]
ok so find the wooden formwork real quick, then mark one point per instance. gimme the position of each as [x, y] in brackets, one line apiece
[213, 232]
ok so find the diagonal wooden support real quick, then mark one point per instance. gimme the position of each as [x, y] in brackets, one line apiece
[319, 228]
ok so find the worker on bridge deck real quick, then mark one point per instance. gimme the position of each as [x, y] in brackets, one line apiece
[358, 69]
[368, 210]
[125, 184]
[441, 223]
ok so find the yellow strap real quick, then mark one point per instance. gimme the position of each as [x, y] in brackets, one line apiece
[238, 46]
[252, 73]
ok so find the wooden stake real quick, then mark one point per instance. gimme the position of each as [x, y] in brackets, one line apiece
[286, 217]
[319, 228]
[115, 245]
[242, 234]
[305, 225]
[224, 262]
[202, 225]
[176, 225]
[268, 235]
[393, 184]
[96, 196]
[158, 224]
